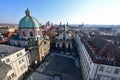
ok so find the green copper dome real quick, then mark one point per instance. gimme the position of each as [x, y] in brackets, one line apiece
[28, 21]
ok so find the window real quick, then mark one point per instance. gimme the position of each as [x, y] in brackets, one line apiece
[12, 75]
[63, 45]
[101, 68]
[20, 62]
[31, 33]
[23, 33]
[7, 60]
[38, 32]
[109, 69]
[18, 55]
[98, 77]
[45, 42]
[117, 71]
[69, 46]
[28, 56]
[9, 78]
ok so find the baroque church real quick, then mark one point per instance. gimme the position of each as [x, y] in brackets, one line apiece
[64, 39]
[31, 38]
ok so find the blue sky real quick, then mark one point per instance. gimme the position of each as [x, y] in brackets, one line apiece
[56, 11]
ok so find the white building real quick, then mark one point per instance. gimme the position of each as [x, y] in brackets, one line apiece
[93, 70]
[64, 39]
[17, 59]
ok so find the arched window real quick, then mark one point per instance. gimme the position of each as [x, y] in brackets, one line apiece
[23, 33]
[63, 45]
[38, 32]
[31, 33]
[68, 46]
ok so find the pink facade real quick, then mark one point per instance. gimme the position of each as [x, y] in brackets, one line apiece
[26, 33]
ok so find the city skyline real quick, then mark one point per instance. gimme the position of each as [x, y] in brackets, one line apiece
[56, 11]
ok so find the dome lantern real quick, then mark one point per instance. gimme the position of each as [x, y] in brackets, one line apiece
[27, 12]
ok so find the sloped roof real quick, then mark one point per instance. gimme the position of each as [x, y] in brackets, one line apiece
[4, 68]
[103, 50]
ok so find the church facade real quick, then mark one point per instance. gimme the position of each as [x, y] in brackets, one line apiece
[64, 39]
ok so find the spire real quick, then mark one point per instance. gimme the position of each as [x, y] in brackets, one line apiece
[48, 23]
[60, 24]
[82, 24]
[27, 12]
[67, 24]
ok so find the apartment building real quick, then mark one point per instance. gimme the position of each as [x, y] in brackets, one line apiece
[99, 59]
[17, 59]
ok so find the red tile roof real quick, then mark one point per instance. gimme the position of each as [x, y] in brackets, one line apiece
[102, 51]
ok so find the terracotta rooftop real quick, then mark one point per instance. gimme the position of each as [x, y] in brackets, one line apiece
[105, 29]
[115, 38]
[102, 51]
